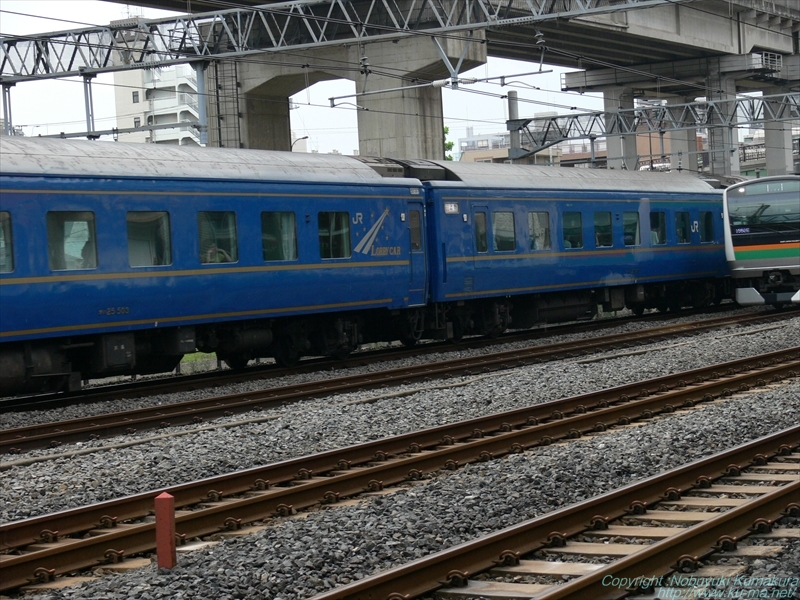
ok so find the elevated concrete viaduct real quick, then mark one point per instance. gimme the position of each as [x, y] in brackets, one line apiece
[676, 51]
[406, 122]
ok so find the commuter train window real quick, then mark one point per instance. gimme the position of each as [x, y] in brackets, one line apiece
[573, 230]
[149, 242]
[682, 227]
[334, 234]
[602, 229]
[279, 235]
[658, 228]
[630, 228]
[71, 241]
[6, 249]
[706, 226]
[503, 235]
[217, 236]
[415, 226]
[539, 230]
[481, 235]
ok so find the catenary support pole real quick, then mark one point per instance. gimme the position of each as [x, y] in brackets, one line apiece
[7, 124]
[89, 101]
[513, 113]
[202, 108]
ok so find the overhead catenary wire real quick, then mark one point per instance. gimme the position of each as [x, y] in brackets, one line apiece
[537, 45]
[387, 72]
[350, 23]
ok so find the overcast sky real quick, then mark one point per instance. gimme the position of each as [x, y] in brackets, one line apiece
[53, 106]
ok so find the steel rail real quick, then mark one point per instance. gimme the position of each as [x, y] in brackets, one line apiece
[428, 574]
[498, 433]
[347, 472]
[698, 542]
[194, 411]
[179, 383]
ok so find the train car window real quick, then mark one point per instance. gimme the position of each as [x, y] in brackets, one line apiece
[706, 226]
[415, 225]
[630, 228]
[658, 228]
[334, 234]
[279, 235]
[6, 246]
[602, 229]
[149, 242]
[767, 203]
[539, 230]
[682, 227]
[503, 236]
[481, 234]
[71, 241]
[217, 236]
[573, 230]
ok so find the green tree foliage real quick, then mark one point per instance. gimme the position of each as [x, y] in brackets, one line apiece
[448, 146]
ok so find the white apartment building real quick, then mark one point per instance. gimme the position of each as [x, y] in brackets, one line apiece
[494, 147]
[158, 97]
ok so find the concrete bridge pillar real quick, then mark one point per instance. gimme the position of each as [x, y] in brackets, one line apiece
[401, 121]
[404, 120]
[264, 90]
[400, 124]
[723, 138]
[683, 143]
[778, 143]
[622, 152]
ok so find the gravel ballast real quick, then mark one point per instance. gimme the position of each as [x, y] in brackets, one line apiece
[11, 420]
[347, 419]
[297, 559]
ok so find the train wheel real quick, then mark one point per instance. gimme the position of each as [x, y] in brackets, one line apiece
[638, 310]
[495, 332]
[284, 352]
[237, 362]
[147, 365]
[408, 342]
[458, 331]
[341, 353]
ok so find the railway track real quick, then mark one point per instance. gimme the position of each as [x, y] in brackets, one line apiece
[185, 383]
[13, 441]
[79, 538]
[765, 472]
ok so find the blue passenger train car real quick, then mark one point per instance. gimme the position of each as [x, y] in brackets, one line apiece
[121, 258]
[531, 244]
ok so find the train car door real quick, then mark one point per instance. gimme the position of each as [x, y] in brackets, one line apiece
[418, 265]
[480, 236]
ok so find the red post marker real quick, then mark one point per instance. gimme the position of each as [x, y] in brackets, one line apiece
[165, 531]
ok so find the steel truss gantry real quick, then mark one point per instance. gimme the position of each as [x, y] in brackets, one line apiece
[240, 32]
[540, 133]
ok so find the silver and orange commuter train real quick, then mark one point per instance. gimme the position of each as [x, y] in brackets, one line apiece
[762, 240]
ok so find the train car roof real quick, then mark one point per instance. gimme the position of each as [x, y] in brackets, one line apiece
[84, 158]
[504, 176]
